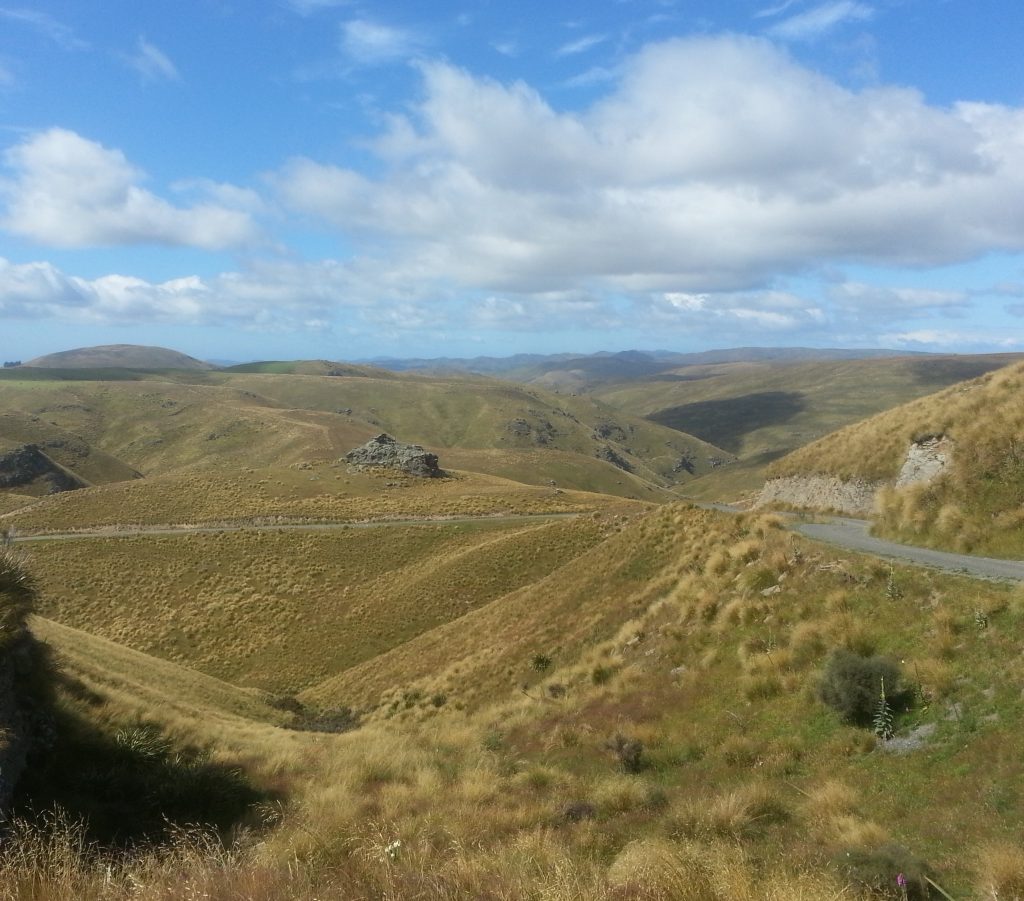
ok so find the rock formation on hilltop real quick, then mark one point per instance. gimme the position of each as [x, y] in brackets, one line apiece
[384, 452]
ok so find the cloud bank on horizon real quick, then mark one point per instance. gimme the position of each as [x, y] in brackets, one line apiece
[325, 178]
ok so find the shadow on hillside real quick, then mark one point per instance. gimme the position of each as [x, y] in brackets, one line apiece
[947, 370]
[725, 422]
[128, 786]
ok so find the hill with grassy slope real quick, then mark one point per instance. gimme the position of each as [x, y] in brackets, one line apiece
[761, 410]
[646, 720]
[977, 503]
[157, 423]
[118, 356]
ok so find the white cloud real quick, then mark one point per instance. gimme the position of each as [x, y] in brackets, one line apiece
[369, 43]
[7, 78]
[737, 312]
[877, 302]
[581, 45]
[959, 340]
[46, 25]
[711, 165]
[819, 20]
[267, 295]
[152, 63]
[67, 191]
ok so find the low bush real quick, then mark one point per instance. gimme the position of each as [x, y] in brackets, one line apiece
[852, 685]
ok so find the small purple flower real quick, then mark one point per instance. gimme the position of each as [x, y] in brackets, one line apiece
[901, 880]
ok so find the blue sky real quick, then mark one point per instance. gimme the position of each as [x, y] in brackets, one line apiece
[245, 179]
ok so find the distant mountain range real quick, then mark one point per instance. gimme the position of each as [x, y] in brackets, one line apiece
[625, 364]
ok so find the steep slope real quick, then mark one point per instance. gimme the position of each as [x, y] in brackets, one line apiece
[764, 409]
[654, 728]
[974, 502]
[118, 356]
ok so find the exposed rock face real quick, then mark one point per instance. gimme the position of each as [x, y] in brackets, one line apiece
[384, 452]
[616, 459]
[926, 460]
[821, 492]
[27, 464]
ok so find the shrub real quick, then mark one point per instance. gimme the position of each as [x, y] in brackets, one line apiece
[878, 870]
[629, 752]
[852, 685]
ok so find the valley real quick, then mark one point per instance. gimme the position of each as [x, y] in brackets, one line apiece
[266, 666]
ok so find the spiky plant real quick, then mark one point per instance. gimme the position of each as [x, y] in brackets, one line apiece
[883, 719]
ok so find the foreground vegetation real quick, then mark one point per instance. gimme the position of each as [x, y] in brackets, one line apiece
[666, 739]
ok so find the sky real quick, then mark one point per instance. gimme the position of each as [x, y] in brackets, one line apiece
[351, 180]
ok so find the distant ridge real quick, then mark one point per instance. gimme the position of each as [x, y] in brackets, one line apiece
[630, 363]
[118, 356]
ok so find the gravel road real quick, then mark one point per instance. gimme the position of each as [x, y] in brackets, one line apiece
[853, 534]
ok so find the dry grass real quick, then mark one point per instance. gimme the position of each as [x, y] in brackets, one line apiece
[975, 506]
[508, 791]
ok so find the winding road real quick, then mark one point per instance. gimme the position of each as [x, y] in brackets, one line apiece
[849, 534]
[852, 534]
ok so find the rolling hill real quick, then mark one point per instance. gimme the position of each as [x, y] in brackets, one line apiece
[277, 678]
[118, 356]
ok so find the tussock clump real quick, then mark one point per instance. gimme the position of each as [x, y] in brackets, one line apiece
[999, 870]
[739, 813]
[656, 869]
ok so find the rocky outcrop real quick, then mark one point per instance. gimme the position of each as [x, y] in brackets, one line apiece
[27, 465]
[384, 452]
[926, 460]
[610, 456]
[820, 492]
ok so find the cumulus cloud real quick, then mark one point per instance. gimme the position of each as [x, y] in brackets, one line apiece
[819, 20]
[67, 191]
[152, 63]
[266, 295]
[368, 43]
[710, 165]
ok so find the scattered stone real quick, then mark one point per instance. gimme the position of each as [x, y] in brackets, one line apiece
[914, 740]
[384, 452]
[768, 592]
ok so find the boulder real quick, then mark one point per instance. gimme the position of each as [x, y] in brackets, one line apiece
[384, 452]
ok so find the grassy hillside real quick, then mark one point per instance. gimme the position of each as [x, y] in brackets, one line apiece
[281, 611]
[120, 356]
[163, 423]
[762, 410]
[977, 504]
[681, 750]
